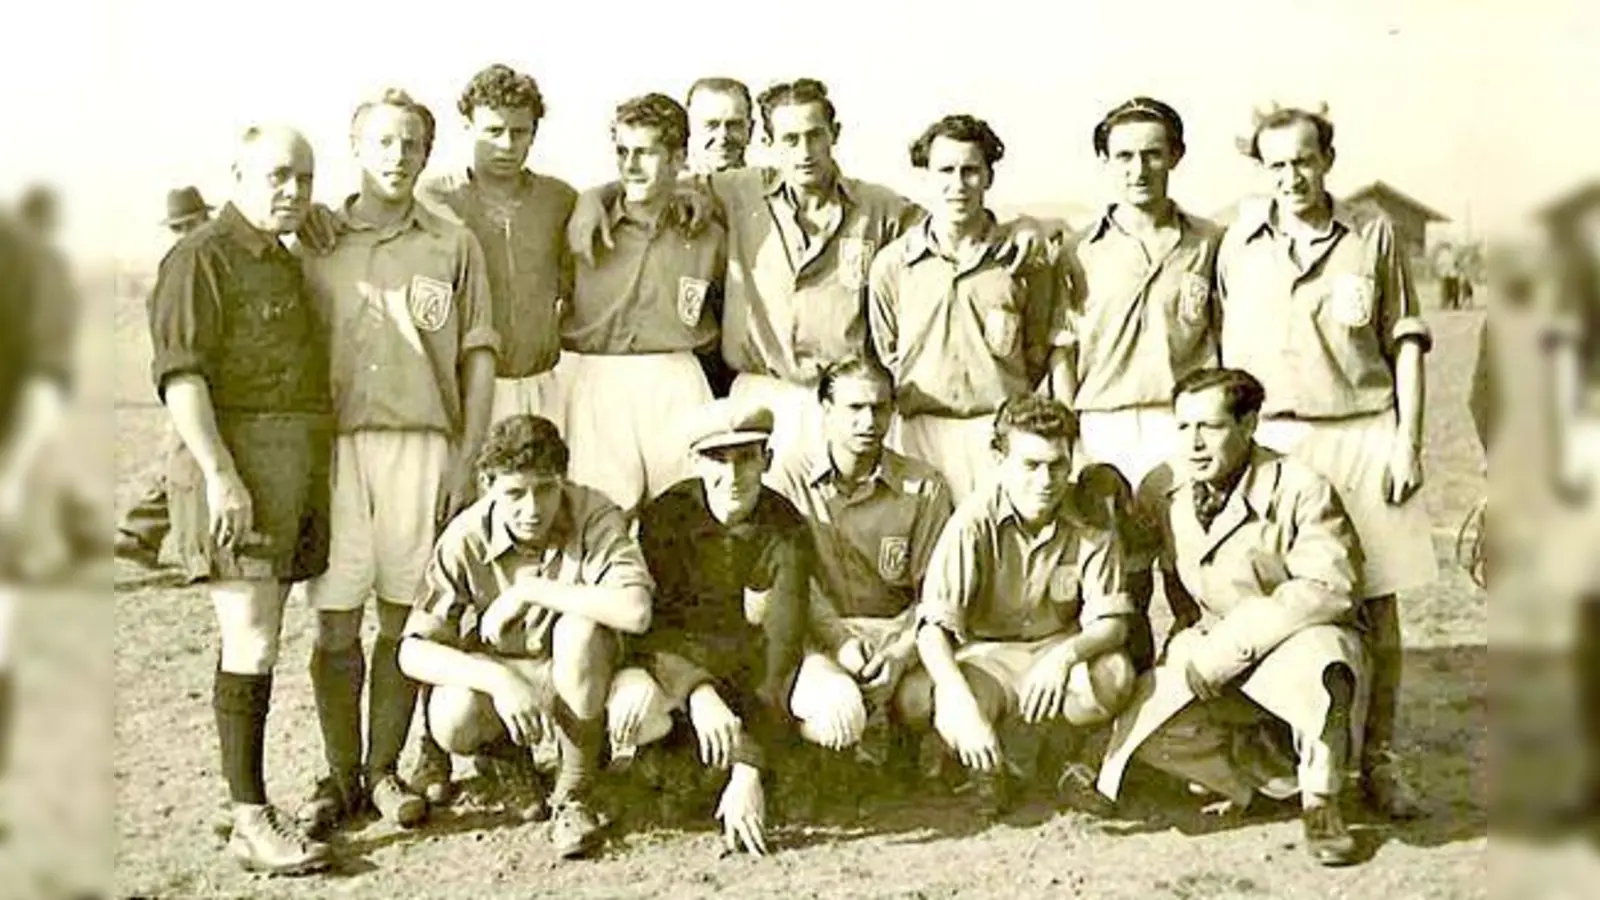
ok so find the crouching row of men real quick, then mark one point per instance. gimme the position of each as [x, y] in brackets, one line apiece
[848, 595]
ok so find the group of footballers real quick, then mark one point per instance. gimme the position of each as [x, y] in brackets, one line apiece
[740, 456]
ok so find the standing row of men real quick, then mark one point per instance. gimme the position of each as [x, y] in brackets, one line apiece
[333, 405]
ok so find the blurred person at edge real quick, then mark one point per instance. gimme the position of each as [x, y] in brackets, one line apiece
[1536, 408]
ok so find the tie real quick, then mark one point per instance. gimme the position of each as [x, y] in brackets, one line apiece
[1208, 503]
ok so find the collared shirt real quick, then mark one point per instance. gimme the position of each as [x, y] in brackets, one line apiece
[476, 559]
[706, 572]
[794, 305]
[1322, 333]
[961, 336]
[232, 306]
[1282, 539]
[873, 544]
[530, 269]
[992, 579]
[656, 291]
[404, 304]
[1140, 323]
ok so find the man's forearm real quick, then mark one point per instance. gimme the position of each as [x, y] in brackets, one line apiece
[1410, 391]
[1062, 374]
[1098, 638]
[939, 658]
[430, 662]
[477, 401]
[1256, 626]
[625, 609]
[188, 400]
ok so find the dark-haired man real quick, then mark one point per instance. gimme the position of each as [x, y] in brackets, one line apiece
[801, 240]
[960, 329]
[1024, 611]
[1141, 311]
[1318, 304]
[720, 124]
[1260, 563]
[405, 296]
[639, 313]
[515, 626]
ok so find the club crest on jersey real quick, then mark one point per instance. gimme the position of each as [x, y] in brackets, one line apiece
[429, 302]
[1193, 298]
[855, 259]
[894, 558]
[1352, 299]
[1064, 583]
[691, 299]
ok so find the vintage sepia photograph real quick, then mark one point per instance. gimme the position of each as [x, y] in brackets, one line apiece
[828, 449]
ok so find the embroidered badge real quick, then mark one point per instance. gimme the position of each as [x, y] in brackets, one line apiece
[1193, 298]
[691, 299]
[894, 558]
[429, 302]
[1064, 584]
[1000, 329]
[855, 259]
[1352, 300]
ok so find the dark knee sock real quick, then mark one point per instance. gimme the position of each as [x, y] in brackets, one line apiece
[1586, 652]
[1387, 662]
[581, 742]
[427, 747]
[389, 708]
[336, 680]
[5, 720]
[241, 703]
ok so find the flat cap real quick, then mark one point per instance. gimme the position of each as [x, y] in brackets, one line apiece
[728, 423]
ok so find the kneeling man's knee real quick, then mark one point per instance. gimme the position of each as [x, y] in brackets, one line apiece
[825, 693]
[1098, 689]
[461, 720]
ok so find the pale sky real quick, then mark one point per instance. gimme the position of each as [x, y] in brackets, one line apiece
[1480, 107]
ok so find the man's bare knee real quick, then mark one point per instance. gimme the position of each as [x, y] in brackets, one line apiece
[913, 699]
[582, 654]
[337, 631]
[391, 620]
[457, 718]
[987, 690]
[1108, 688]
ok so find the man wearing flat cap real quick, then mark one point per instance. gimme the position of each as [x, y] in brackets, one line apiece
[186, 210]
[732, 561]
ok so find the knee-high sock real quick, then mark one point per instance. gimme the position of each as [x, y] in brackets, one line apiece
[389, 708]
[336, 680]
[1387, 662]
[1586, 650]
[581, 742]
[241, 703]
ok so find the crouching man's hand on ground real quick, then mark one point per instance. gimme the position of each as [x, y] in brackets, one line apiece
[743, 811]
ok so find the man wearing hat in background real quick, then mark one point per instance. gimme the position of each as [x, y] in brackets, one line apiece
[732, 563]
[145, 525]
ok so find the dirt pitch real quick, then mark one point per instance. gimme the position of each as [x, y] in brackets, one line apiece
[168, 789]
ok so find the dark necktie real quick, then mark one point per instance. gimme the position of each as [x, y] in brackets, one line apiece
[1210, 498]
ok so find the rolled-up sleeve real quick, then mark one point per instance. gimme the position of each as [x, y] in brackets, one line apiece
[185, 312]
[1400, 308]
[443, 597]
[477, 303]
[955, 576]
[1103, 576]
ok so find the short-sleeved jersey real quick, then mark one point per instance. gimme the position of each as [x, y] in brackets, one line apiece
[1321, 333]
[404, 305]
[476, 559]
[530, 269]
[231, 305]
[992, 578]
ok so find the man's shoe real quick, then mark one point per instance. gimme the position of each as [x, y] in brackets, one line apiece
[335, 800]
[1389, 791]
[398, 803]
[432, 777]
[265, 840]
[132, 548]
[994, 790]
[574, 830]
[518, 786]
[1327, 839]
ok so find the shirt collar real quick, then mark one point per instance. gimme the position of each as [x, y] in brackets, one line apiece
[500, 542]
[1249, 484]
[773, 185]
[1106, 221]
[920, 241]
[252, 239]
[416, 216]
[1258, 215]
[821, 468]
[1003, 510]
[617, 212]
